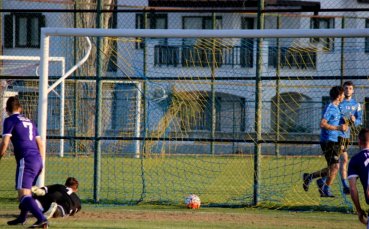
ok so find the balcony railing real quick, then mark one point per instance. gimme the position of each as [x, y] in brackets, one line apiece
[193, 56]
[243, 56]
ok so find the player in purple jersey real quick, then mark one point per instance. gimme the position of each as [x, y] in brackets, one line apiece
[331, 125]
[352, 113]
[27, 146]
[359, 168]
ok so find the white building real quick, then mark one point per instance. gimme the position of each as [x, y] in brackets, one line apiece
[301, 61]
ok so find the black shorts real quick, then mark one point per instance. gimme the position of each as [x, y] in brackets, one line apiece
[331, 151]
[344, 142]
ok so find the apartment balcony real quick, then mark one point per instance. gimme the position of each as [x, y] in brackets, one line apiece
[241, 56]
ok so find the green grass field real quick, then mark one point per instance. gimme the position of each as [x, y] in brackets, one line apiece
[219, 181]
[155, 188]
[154, 216]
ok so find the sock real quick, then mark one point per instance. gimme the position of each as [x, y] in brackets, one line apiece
[22, 216]
[24, 212]
[29, 204]
[326, 188]
[344, 183]
[324, 179]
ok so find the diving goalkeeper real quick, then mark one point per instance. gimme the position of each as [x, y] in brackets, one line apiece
[58, 200]
[55, 200]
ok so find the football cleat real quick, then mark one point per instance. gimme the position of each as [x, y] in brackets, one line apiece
[324, 191]
[40, 224]
[306, 177]
[15, 222]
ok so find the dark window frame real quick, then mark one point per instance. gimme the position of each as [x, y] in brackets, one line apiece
[113, 58]
[152, 17]
[292, 57]
[202, 120]
[195, 55]
[247, 44]
[314, 24]
[366, 47]
[29, 17]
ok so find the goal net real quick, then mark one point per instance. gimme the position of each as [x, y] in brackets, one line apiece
[229, 115]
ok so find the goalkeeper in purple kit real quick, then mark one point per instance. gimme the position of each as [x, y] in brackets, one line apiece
[352, 113]
[28, 147]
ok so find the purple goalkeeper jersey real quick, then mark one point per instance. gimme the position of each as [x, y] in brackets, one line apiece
[22, 132]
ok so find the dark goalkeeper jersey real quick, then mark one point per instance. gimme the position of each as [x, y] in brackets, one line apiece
[359, 167]
[63, 196]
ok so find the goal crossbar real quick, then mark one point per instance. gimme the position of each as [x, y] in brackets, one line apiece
[198, 33]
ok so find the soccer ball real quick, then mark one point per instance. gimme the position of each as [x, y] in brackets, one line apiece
[193, 201]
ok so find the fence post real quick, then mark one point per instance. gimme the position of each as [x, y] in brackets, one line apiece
[98, 102]
[277, 93]
[342, 52]
[258, 104]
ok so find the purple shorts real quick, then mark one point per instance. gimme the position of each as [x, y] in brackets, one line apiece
[28, 170]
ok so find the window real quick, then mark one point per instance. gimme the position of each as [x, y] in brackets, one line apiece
[153, 21]
[199, 52]
[196, 114]
[232, 113]
[27, 30]
[112, 62]
[367, 38]
[293, 57]
[294, 113]
[124, 108]
[323, 23]
[166, 55]
[247, 44]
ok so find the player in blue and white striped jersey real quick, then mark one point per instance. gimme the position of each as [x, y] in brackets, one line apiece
[352, 113]
[359, 168]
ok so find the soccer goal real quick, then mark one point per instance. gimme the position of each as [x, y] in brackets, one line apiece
[229, 115]
[23, 62]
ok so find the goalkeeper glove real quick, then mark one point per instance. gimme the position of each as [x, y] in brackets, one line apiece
[38, 191]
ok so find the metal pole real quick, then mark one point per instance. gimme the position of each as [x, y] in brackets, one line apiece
[258, 104]
[213, 106]
[277, 92]
[42, 99]
[144, 108]
[98, 102]
[62, 108]
[75, 92]
[342, 52]
[138, 119]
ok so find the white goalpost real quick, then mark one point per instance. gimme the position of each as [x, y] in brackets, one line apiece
[46, 33]
[44, 90]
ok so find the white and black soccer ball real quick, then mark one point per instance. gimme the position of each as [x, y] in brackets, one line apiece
[193, 201]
